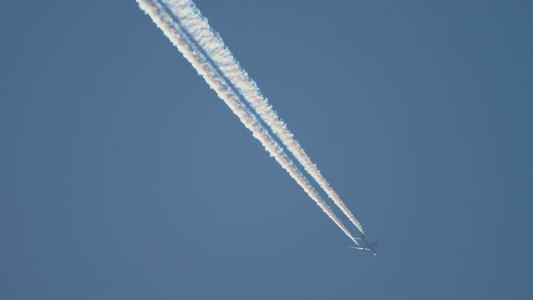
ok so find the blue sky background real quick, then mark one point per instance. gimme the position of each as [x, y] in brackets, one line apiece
[124, 176]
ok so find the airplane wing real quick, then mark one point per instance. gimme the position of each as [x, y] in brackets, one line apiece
[376, 242]
[359, 248]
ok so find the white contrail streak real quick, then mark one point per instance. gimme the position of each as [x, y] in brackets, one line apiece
[172, 29]
[198, 28]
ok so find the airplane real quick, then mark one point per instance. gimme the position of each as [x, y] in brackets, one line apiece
[372, 247]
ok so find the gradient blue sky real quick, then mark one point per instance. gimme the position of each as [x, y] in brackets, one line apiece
[123, 176]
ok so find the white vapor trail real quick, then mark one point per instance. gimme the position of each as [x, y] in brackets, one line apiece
[172, 27]
[198, 28]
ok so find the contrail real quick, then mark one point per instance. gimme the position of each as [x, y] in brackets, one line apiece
[171, 27]
[198, 27]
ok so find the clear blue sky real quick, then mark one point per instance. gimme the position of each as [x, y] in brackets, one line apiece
[123, 176]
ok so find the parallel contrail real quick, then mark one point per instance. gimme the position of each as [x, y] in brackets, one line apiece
[171, 27]
[198, 28]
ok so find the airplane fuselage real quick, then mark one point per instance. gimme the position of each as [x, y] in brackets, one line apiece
[372, 247]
